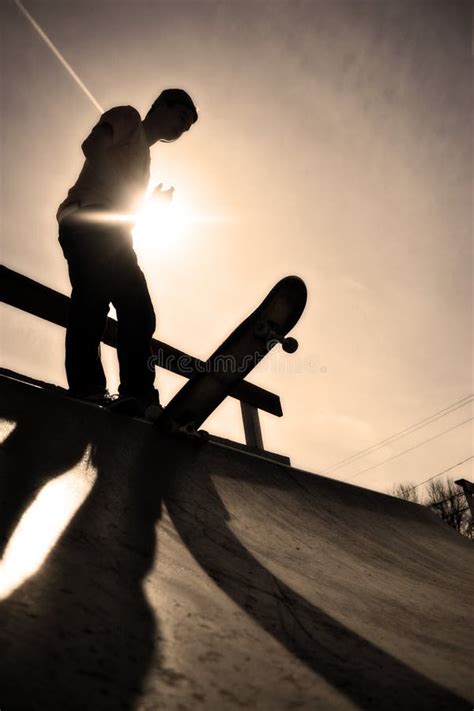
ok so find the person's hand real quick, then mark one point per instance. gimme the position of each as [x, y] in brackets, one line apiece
[164, 197]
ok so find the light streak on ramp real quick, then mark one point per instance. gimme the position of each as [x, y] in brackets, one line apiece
[58, 54]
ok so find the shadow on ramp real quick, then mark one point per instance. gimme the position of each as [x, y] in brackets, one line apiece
[79, 634]
[368, 676]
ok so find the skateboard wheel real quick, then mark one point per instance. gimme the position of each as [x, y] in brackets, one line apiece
[290, 345]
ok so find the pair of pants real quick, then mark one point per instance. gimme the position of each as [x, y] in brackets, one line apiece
[103, 269]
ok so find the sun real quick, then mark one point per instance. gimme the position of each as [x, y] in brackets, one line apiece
[160, 226]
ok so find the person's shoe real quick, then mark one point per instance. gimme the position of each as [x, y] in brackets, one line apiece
[153, 411]
[147, 407]
[125, 405]
[152, 408]
[101, 398]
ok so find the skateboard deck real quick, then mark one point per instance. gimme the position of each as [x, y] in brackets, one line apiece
[241, 351]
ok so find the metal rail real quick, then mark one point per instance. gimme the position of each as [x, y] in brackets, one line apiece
[34, 298]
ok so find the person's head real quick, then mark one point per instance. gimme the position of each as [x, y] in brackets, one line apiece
[170, 115]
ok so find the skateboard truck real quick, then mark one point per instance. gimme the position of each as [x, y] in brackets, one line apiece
[189, 429]
[265, 330]
[192, 431]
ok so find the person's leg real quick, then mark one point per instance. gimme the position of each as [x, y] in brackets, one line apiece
[136, 325]
[88, 309]
[87, 319]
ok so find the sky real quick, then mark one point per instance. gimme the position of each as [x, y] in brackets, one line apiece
[333, 142]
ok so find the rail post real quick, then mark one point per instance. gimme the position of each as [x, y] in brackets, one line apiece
[252, 429]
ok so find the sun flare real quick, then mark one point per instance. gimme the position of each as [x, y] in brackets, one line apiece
[161, 225]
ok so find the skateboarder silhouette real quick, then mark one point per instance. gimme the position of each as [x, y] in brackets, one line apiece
[95, 222]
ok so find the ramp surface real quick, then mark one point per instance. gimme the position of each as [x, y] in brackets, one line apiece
[190, 576]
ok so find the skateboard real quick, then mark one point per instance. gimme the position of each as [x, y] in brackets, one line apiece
[241, 351]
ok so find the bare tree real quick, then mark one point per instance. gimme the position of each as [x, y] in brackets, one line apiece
[444, 497]
[406, 490]
[446, 500]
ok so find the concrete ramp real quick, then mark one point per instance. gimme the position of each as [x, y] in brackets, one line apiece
[167, 574]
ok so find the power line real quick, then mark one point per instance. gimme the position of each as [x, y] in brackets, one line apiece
[412, 448]
[413, 428]
[417, 425]
[58, 54]
[435, 476]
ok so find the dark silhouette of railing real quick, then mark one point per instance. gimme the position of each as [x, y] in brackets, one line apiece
[34, 298]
